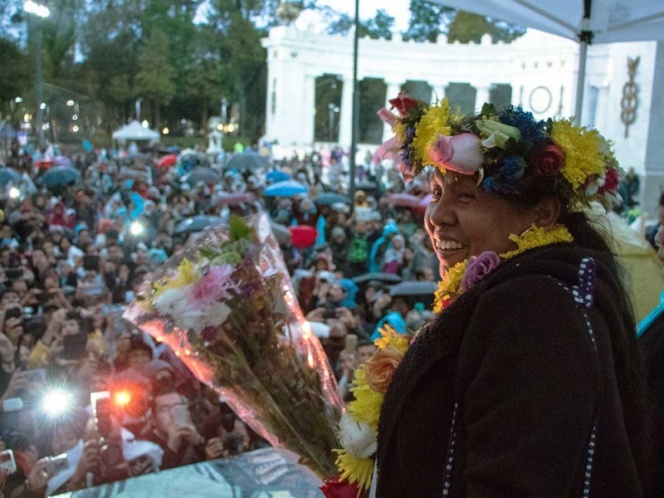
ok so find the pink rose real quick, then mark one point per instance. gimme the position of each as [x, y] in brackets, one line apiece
[549, 160]
[478, 267]
[460, 153]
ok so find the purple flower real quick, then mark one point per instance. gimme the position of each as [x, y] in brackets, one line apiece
[478, 267]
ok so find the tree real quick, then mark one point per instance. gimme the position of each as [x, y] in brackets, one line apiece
[379, 26]
[155, 80]
[427, 21]
[14, 63]
[467, 28]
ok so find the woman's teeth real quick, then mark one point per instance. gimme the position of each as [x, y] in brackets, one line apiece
[447, 245]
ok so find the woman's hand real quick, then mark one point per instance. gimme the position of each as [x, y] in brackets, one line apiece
[7, 349]
[38, 477]
[90, 462]
[316, 315]
[347, 318]
[19, 382]
[214, 449]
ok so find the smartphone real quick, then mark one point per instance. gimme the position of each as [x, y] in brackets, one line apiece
[351, 343]
[101, 409]
[74, 346]
[181, 415]
[7, 461]
[56, 464]
[91, 262]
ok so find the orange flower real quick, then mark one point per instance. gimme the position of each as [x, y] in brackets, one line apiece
[380, 368]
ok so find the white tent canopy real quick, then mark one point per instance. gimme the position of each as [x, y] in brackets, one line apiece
[135, 131]
[585, 21]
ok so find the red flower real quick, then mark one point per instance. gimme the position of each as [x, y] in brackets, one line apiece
[334, 488]
[403, 103]
[611, 180]
[549, 160]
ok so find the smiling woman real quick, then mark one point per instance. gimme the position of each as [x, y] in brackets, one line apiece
[528, 382]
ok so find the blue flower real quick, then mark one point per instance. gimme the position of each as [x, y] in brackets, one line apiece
[531, 130]
[512, 169]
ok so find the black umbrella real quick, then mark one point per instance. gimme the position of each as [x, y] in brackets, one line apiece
[248, 161]
[329, 198]
[197, 224]
[415, 292]
[8, 175]
[205, 175]
[382, 277]
[58, 176]
[367, 187]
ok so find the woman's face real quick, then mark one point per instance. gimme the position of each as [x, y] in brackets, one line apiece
[659, 240]
[463, 220]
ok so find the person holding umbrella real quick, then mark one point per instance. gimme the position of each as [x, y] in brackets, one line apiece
[528, 382]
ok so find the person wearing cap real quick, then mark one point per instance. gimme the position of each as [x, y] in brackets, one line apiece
[528, 381]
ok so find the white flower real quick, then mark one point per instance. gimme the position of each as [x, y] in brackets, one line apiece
[357, 438]
[216, 314]
[171, 301]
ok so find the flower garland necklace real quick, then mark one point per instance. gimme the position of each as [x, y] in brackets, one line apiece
[465, 274]
[358, 427]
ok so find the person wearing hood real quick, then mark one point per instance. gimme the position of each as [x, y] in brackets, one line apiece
[379, 248]
[528, 381]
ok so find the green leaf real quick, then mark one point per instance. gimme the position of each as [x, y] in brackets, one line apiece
[239, 229]
[208, 253]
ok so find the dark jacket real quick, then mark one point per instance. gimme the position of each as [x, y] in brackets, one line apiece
[517, 390]
[652, 345]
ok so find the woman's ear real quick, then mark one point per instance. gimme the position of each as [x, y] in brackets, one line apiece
[547, 212]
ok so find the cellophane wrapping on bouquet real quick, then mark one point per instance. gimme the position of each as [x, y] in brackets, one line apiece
[226, 306]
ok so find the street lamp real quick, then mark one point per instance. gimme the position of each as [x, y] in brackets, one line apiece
[332, 109]
[42, 12]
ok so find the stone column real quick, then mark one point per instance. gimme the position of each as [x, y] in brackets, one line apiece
[393, 90]
[346, 114]
[483, 95]
[438, 91]
[309, 109]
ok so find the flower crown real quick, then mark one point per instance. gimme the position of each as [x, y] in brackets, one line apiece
[509, 149]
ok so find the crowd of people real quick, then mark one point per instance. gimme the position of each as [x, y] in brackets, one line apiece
[77, 380]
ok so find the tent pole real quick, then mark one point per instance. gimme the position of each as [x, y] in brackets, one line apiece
[585, 39]
[580, 81]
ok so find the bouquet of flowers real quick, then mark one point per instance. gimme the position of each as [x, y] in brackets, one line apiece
[358, 427]
[227, 308]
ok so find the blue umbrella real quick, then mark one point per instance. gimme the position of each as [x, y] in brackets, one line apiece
[8, 175]
[277, 176]
[58, 176]
[288, 188]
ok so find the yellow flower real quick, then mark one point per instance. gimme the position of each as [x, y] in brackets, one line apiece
[538, 237]
[448, 287]
[187, 274]
[355, 469]
[436, 120]
[366, 405]
[583, 151]
[390, 337]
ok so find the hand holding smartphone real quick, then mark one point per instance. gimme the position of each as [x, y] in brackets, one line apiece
[7, 461]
